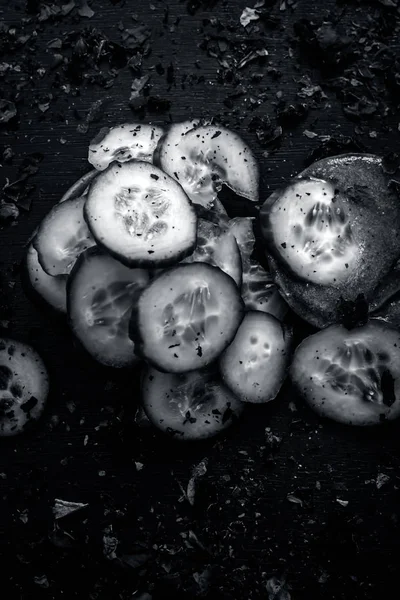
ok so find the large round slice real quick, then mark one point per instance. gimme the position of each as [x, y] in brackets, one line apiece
[202, 158]
[24, 386]
[310, 228]
[254, 365]
[186, 317]
[141, 215]
[62, 236]
[130, 141]
[332, 234]
[53, 290]
[188, 406]
[101, 293]
[350, 376]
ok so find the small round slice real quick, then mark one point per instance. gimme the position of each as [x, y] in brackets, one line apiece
[188, 406]
[217, 246]
[254, 365]
[141, 215]
[204, 157]
[101, 293]
[352, 377]
[130, 141]
[62, 236]
[80, 187]
[53, 290]
[24, 386]
[186, 317]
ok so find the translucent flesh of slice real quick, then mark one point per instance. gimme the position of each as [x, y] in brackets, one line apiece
[140, 214]
[101, 296]
[206, 157]
[218, 247]
[24, 386]
[350, 376]
[187, 316]
[312, 232]
[53, 289]
[258, 290]
[124, 143]
[260, 293]
[62, 236]
[254, 364]
[193, 405]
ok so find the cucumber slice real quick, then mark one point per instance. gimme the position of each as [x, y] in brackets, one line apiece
[311, 232]
[141, 215]
[62, 236]
[189, 406]
[214, 215]
[53, 290]
[130, 141]
[167, 151]
[242, 229]
[80, 187]
[101, 293]
[24, 386]
[254, 365]
[350, 376]
[341, 219]
[258, 289]
[217, 246]
[203, 158]
[186, 317]
[260, 293]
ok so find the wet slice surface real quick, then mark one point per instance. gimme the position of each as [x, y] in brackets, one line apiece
[373, 213]
[350, 376]
[101, 295]
[23, 387]
[186, 317]
[192, 405]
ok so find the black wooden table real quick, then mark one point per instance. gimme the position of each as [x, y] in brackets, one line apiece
[287, 502]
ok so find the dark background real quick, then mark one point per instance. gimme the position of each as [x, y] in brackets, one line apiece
[313, 505]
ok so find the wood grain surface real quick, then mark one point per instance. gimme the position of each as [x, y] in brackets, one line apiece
[322, 510]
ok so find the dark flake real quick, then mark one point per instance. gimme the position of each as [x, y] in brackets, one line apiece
[29, 404]
[8, 111]
[5, 377]
[388, 388]
[354, 313]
